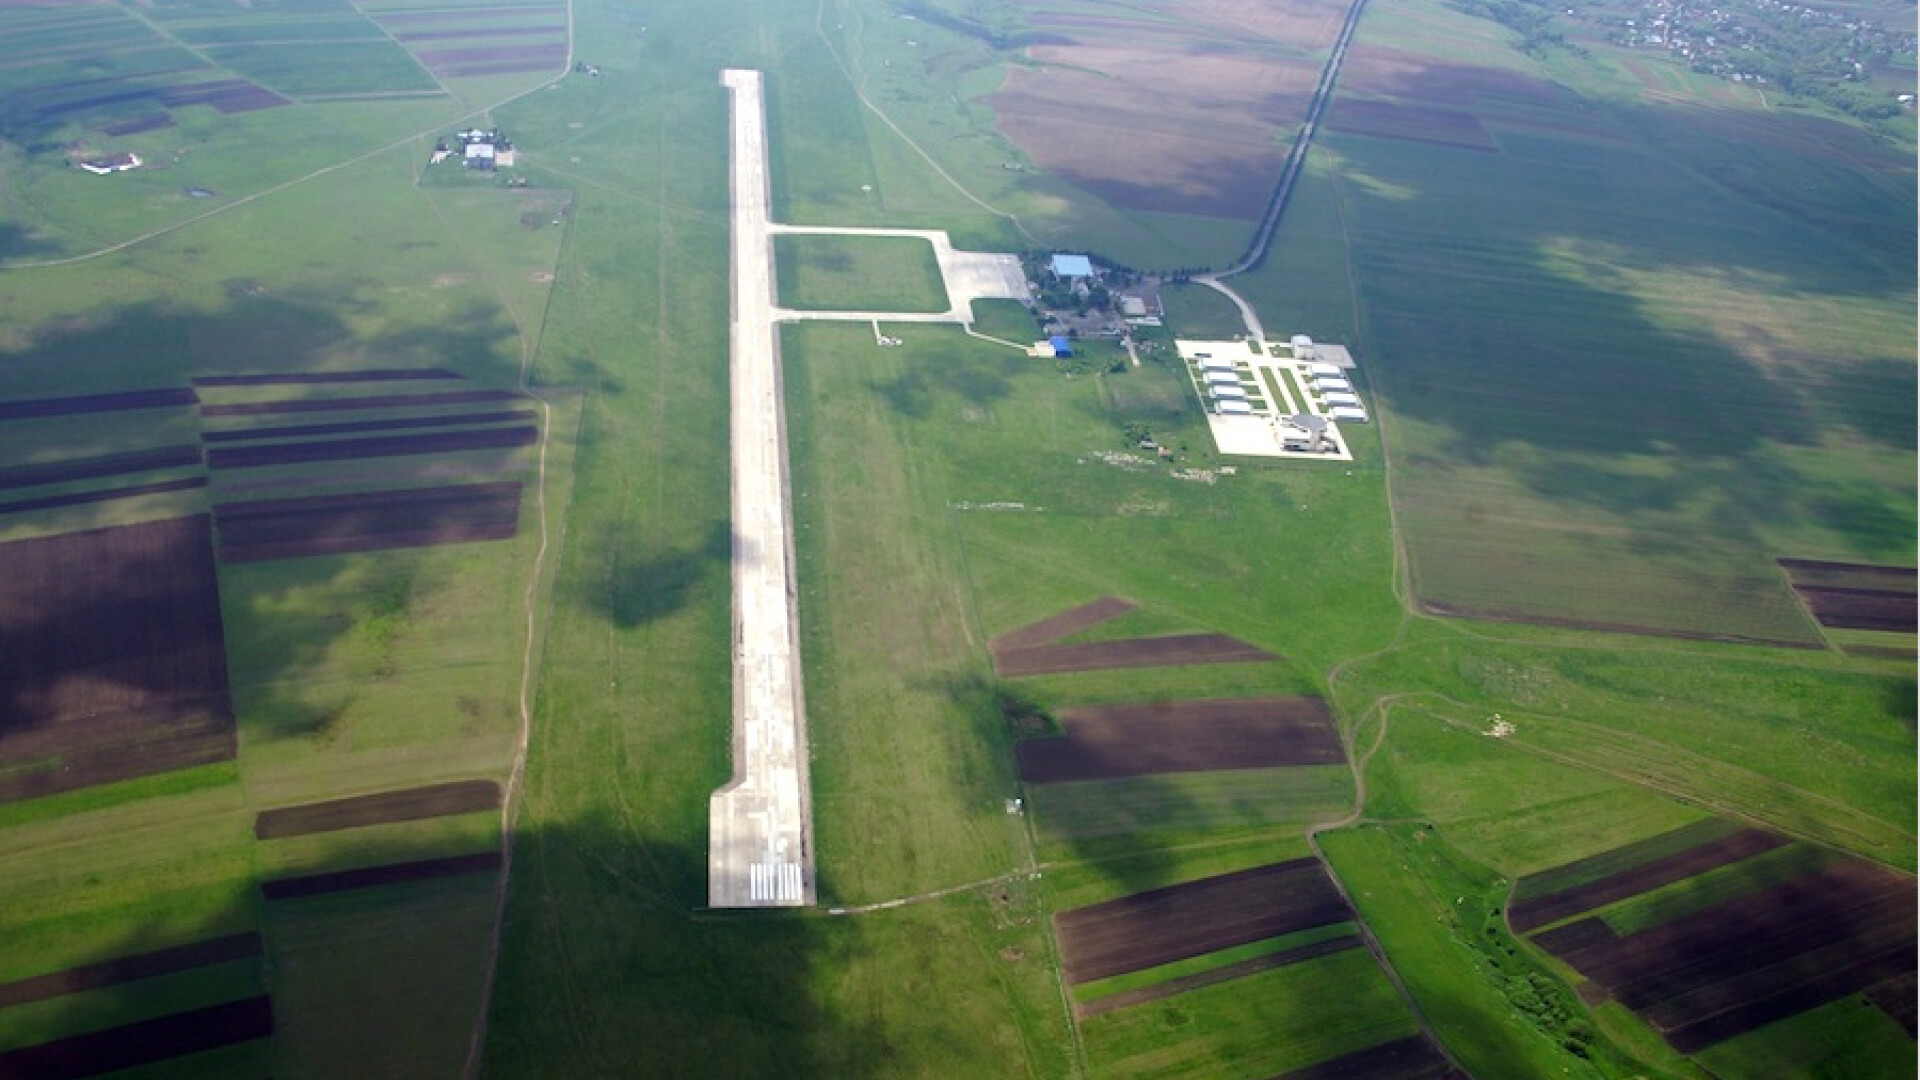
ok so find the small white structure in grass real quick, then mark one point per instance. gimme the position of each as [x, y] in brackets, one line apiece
[1331, 371]
[1337, 399]
[1333, 386]
[1210, 362]
[1353, 413]
[1222, 377]
[101, 166]
[1228, 392]
[1232, 407]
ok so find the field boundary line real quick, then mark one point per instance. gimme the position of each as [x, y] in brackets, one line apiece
[859, 91]
[1383, 707]
[516, 774]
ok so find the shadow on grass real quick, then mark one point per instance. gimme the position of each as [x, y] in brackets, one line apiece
[980, 381]
[609, 968]
[641, 587]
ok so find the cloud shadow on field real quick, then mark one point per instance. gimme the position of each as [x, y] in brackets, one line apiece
[643, 582]
[1612, 313]
[609, 967]
[975, 379]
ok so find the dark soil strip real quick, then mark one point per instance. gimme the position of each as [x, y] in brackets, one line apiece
[366, 500]
[1539, 911]
[1756, 958]
[1224, 973]
[368, 521]
[373, 876]
[94, 767]
[1173, 651]
[98, 403]
[444, 442]
[1854, 575]
[1163, 925]
[1411, 1058]
[1109, 741]
[1879, 652]
[1815, 992]
[1861, 609]
[87, 468]
[140, 722]
[251, 434]
[413, 804]
[128, 968]
[1065, 624]
[1527, 618]
[80, 498]
[352, 545]
[1898, 997]
[375, 401]
[314, 378]
[1845, 968]
[1622, 859]
[131, 1045]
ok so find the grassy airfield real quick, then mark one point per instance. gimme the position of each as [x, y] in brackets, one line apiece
[948, 491]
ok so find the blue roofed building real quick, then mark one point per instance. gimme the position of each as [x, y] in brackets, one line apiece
[1073, 266]
[1061, 346]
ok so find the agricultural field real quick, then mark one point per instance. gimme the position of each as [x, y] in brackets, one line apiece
[1122, 766]
[1651, 344]
[1716, 940]
[221, 102]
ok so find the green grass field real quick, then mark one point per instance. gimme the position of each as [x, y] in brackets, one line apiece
[1620, 365]
[1680, 384]
[858, 273]
[1256, 1026]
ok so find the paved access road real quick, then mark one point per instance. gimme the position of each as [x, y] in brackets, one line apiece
[761, 824]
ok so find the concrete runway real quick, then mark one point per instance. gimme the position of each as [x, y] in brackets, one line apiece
[761, 823]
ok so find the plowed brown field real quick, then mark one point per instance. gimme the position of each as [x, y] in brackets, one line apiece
[1189, 109]
[1107, 741]
[1760, 957]
[1540, 910]
[413, 804]
[1065, 624]
[1163, 925]
[112, 657]
[367, 521]
[1225, 973]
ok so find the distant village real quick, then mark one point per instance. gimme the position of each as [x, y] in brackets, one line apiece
[480, 150]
